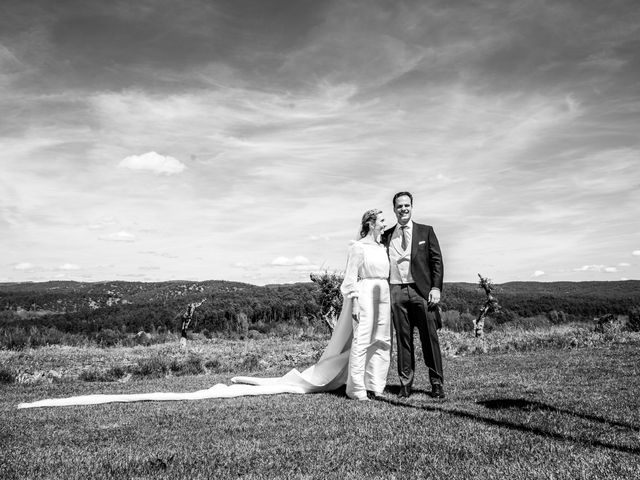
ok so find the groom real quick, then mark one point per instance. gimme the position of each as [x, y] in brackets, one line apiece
[415, 284]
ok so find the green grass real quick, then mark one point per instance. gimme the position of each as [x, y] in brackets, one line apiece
[553, 413]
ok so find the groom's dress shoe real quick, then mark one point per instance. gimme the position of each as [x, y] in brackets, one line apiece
[405, 392]
[437, 391]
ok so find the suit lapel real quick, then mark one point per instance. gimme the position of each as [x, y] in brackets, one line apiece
[415, 239]
[389, 234]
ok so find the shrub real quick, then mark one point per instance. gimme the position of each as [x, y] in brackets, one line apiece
[504, 315]
[7, 376]
[159, 366]
[284, 330]
[254, 334]
[192, 365]
[115, 373]
[213, 364]
[609, 323]
[264, 328]
[489, 324]
[155, 366]
[556, 317]
[90, 375]
[207, 334]
[452, 320]
[634, 319]
[250, 362]
[95, 375]
[528, 323]
[15, 339]
[241, 324]
[108, 337]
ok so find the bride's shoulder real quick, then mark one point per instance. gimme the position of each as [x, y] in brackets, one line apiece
[356, 245]
[366, 242]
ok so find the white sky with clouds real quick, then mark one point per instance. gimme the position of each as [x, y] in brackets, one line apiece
[243, 140]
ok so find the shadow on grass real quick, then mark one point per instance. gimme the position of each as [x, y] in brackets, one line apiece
[531, 406]
[502, 404]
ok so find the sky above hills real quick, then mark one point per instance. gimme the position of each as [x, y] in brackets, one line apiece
[242, 140]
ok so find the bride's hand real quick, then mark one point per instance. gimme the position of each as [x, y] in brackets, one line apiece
[355, 310]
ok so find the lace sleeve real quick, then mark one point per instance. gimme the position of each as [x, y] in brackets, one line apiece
[349, 287]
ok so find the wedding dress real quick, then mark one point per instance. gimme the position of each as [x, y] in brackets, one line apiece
[369, 357]
[366, 278]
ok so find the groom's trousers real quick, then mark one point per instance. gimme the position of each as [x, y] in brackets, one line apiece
[409, 311]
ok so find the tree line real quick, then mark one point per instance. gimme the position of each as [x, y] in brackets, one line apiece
[129, 307]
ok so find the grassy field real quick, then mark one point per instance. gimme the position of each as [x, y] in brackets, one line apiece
[549, 410]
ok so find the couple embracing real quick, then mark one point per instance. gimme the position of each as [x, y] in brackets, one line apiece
[393, 275]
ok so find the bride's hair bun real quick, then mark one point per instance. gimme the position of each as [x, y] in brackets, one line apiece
[368, 219]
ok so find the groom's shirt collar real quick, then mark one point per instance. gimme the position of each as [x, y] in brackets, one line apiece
[398, 229]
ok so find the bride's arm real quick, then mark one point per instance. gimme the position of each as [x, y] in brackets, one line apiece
[349, 287]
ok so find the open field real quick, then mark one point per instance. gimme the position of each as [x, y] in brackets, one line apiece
[556, 412]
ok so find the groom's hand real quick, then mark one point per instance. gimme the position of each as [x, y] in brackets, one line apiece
[434, 297]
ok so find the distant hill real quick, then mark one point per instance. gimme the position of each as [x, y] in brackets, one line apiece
[82, 306]
[582, 299]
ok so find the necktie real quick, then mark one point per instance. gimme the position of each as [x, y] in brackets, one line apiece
[404, 237]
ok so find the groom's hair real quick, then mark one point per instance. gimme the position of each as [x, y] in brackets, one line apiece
[400, 194]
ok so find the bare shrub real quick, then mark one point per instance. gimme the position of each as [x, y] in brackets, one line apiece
[328, 295]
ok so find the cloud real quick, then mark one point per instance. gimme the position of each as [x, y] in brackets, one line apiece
[24, 266]
[121, 236]
[537, 273]
[245, 266]
[596, 268]
[589, 268]
[153, 162]
[624, 264]
[69, 266]
[107, 222]
[289, 262]
[324, 112]
[158, 254]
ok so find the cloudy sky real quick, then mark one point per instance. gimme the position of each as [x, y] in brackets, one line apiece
[243, 139]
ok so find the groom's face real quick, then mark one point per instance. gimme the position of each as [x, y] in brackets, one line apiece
[402, 209]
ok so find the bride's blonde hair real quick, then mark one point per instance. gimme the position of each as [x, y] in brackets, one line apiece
[368, 219]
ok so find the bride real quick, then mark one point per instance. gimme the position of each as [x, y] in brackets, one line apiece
[358, 353]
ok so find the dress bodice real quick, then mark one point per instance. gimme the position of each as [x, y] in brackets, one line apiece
[365, 260]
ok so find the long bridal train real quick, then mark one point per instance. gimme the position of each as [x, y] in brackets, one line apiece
[328, 374]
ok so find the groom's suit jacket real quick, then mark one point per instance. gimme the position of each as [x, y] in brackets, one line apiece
[427, 268]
